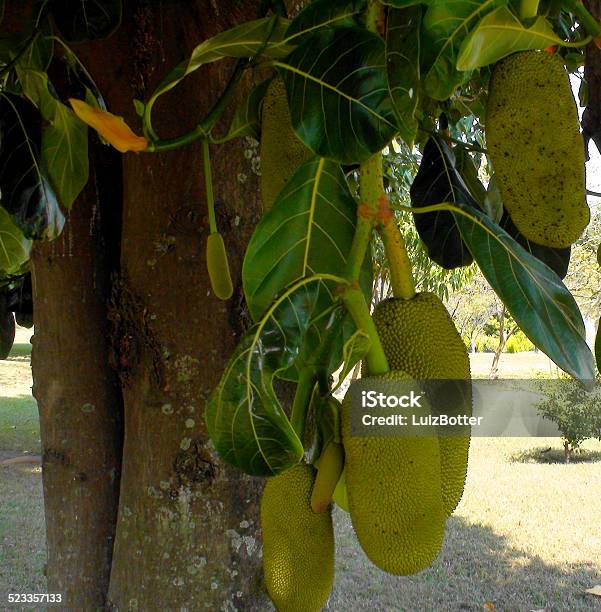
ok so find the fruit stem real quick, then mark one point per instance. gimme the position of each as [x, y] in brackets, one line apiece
[302, 398]
[399, 264]
[355, 303]
[591, 25]
[354, 300]
[206, 158]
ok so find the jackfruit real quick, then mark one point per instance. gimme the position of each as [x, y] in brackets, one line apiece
[329, 470]
[298, 545]
[340, 495]
[394, 495]
[219, 267]
[533, 138]
[282, 152]
[420, 338]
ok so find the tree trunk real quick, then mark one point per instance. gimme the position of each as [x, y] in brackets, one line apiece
[567, 452]
[188, 533]
[79, 402]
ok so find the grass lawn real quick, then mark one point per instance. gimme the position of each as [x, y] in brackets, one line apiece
[526, 535]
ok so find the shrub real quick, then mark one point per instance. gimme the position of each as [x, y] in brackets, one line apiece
[575, 410]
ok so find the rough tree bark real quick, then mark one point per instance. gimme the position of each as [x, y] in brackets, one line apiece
[79, 401]
[188, 535]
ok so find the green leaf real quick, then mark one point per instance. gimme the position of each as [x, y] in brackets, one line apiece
[244, 417]
[64, 140]
[338, 98]
[14, 247]
[247, 120]
[24, 189]
[354, 350]
[39, 53]
[500, 34]
[308, 230]
[539, 302]
[321, 14]
[262, 36]
[445, 26]
[83, 20]
[402, 62]
[438, 180]
[557, 259]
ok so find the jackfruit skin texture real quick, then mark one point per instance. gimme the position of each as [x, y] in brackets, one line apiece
[533, 138]
[282, 152]
[298, 544]
[420, 338]
[394, 496]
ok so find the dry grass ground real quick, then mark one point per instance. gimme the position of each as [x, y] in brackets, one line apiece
[526, 535]
[517, 365]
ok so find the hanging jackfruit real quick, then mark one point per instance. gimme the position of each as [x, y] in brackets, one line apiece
[533, 138]
[420, 338]
[329, 470]
[394, 495]
[282, 152]
[298, 544]
[219, 267]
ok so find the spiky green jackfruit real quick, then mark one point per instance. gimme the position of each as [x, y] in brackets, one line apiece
[533, 138]
[282, 152]
[219, 267]
[298, 544]
[420, 338]
[394, 496]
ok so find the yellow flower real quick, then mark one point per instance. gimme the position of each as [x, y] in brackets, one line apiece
[111, 127]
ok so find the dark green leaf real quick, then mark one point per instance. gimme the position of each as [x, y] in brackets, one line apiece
[14, 247]
[82, 20]
[539, 302]
[445, 26]
[64, 140]
[469, 173]
[438, 180]
[25, 191]
[557, 259]
[338, 97]
[308, 230]
[321, 14]
[493, 204]
[245, 420]
[500, 34]
[39, 53]
[402, 62]
[263, 36]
